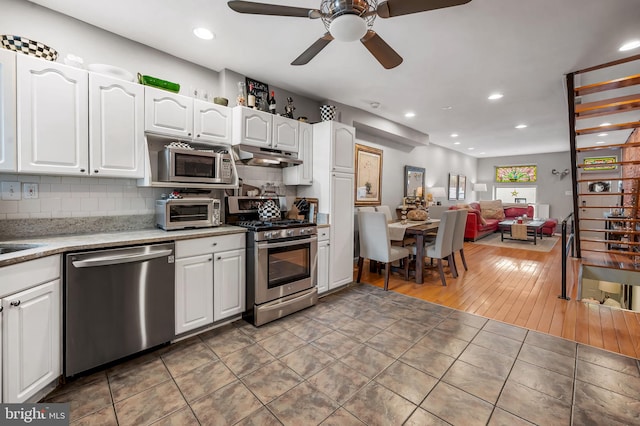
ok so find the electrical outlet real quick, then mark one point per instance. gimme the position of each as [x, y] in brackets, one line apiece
[11, 190]
[29, 190]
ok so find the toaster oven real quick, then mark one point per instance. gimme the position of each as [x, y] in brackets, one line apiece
[183, 213]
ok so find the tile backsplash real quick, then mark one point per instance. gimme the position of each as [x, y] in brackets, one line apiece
[62, 196]
[65, 196]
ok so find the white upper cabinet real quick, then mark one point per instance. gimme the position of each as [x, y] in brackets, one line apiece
[116, 127]
[342, 142]
[285, 134]
[252, 127]
[7, 111]
[303, 173]
[211, 122]
[53, 117]
[168, 113]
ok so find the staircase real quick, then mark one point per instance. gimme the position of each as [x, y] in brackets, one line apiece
[604, 123]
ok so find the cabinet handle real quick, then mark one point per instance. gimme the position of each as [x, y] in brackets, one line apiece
[214, 244]
[210, 259]
[219, 257]
[1, 308]
[82, 170]
[96, 171]
[16, 303]
[198, 135]
[189, 134]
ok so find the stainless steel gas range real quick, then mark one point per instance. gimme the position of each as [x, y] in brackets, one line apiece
[281, 262]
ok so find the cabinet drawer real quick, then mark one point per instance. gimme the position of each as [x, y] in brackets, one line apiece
[198, 246]
[22, 276]
[323, 233]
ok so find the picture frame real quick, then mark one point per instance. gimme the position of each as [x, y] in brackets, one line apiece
[414, 181]
[462, 186]
[517, 174]
[453, 186]
[368, 176]
[599, 186]
[593, 164]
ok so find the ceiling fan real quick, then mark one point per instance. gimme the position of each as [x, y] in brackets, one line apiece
[348, 20]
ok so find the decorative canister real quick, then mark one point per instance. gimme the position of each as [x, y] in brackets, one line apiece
[327, 112]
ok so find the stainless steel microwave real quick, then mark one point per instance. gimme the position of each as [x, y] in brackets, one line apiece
[195, 166]
[183, 213]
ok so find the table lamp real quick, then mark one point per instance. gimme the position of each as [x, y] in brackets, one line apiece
[608, 287]
[479, 187]
[438, 192]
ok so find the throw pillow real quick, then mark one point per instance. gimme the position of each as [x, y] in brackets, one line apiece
[479, 217]
[492, 209]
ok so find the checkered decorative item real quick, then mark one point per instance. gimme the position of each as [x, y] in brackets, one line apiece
[28, 47]
[269, 210]
[327, 112]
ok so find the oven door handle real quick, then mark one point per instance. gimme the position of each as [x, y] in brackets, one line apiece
[313, 239]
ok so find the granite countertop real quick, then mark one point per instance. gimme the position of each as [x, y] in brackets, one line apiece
[50, 245]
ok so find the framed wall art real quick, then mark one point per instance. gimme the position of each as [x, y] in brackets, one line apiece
[462, 186]
[414, 181]
[527, 173]
[592, 164]
[599, 186]
[260, 90]
[453, 186]
[368, 176]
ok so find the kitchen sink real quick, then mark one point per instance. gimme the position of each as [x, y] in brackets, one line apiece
[11, 248]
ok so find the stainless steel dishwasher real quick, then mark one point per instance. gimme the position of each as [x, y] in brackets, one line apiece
[117, 302]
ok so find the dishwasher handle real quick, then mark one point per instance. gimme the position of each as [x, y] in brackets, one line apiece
[118, 260]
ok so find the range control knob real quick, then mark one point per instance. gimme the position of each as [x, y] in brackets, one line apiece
[303, 231]
[290, 232]
[267, 235]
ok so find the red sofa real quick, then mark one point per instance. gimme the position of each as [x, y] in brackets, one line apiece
[475, 228]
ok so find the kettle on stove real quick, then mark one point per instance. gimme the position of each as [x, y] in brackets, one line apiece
[268, 210]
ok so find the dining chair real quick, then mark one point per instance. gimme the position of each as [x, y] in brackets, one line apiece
[387, 212]
[375, 245]
[442, 247]
[457, 244]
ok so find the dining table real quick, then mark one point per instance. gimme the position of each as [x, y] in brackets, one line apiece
[418, 230]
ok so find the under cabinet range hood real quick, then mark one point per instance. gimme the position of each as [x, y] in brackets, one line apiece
[256, 156]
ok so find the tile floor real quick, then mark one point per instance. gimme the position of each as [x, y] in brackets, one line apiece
[364, 356]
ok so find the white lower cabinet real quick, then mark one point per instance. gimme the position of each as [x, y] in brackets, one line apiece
[323, 260]
[31, 328]
[194, 292]
[210, 280]
[228, 283]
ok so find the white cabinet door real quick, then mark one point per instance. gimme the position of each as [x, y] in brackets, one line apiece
[212, 122]
[116, 127]
[323, 266]
[341, 233]
[31, 327]
[252, 127]
[194, 292]
[342, 140]
[167, 113]
[228, 283]
[285, 134]
[53, 117]
[8, 161]
[303, 173]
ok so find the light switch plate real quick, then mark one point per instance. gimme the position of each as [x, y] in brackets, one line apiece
[10, 190]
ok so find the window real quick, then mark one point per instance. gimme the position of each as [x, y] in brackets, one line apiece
[515, 194]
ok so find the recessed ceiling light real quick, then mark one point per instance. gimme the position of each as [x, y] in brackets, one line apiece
[456, 143]
[375, 105]
[494, 96]
[605, 124]
[471, 149]
[600, 142]
[482, 153]
[602, 135]
[521, 126]
[446, 108]
[629, 45]
[410, 114]
[203, 33]
[454, 135]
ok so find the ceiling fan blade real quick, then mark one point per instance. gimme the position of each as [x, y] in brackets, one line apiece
[313, 50]
[391, 8]
[272, 9]
[387, 57]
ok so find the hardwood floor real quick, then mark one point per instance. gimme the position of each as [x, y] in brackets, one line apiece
[521, 287]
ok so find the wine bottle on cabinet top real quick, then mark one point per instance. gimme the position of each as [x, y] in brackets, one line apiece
[251, 97]
[272, 103]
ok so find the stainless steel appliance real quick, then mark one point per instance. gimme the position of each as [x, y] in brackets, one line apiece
[182, 213]
[281, 262]
[179, 164]
[117, 302]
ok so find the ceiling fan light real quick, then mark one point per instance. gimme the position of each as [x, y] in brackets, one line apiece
[348, 27]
